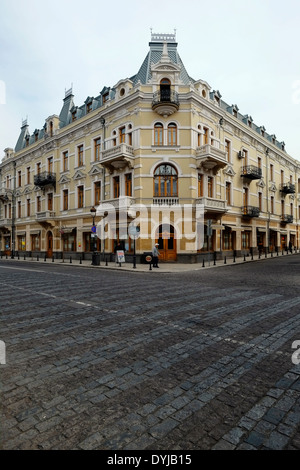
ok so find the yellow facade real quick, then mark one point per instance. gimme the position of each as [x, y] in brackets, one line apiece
[157, 146]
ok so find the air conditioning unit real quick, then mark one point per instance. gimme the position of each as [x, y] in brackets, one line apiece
[241, 154]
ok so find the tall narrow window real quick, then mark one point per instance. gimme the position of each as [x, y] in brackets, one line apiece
[282, 176]
[271, 172]
[228, 192]
[65, 161]
[28, 175]
[28, 207]
[282, 207]
[260, 201]
[9, 211]
[97, 192]
[165, 89]
[165, 181]
[210, 188]
[38, 204]
[128, 184]
[65, 199]
[259, 162]
[80, 196]
[50, 164]
[114, 138]
[200, 185]
[19, 178]
[116, 186]
[130, 135]
[227, 150]
[50, 202]
[245, 157]
[158, 134]
[172, 134]
[38, 168]
[80, 155]
[205, 136]
[199, 136]
[88, 108]
[19, 209]
[272, 204]
[51, 129]
[245, 198]
[291, 209]
[122, 135]
[97, 145]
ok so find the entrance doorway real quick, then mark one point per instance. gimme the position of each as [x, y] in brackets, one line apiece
[49, 247]
[165, 237]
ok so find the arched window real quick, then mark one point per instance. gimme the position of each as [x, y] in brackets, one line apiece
[165, 89]
[158, 134]
[172, 134]
[165, 181]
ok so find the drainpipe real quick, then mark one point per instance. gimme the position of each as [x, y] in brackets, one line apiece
[267, 191]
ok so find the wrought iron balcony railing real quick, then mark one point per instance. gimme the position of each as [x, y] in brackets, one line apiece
[250, 211]
[45, 178]
[165, 102]
[252, 172]
[287, 188]
[287, 219]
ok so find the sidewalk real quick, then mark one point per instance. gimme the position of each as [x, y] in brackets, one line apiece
[163, 267]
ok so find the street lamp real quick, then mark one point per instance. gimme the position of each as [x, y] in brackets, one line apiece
[93, 235]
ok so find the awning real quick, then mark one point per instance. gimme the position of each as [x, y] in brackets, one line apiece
[67, 230]
[21, 234]
[35, 232]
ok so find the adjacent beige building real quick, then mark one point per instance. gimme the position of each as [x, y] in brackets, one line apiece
[160, 151]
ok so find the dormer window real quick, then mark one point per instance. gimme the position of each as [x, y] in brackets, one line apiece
[105, 97]
[88, 108]
[74, 116]
[51, 129]
[249, 123]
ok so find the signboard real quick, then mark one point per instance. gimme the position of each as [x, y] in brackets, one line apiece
[148, 258]
[121, 256]
[93, 228]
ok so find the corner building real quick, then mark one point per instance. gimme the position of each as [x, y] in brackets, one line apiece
[153, 147]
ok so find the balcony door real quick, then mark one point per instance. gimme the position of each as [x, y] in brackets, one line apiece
[165, 89]
[165, 237]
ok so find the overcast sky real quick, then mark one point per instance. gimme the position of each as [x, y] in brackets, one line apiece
[248, 50]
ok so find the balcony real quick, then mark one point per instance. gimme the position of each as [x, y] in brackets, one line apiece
[45, 216]
[211, 158]
[287, 188]
[165, 201]
[165, 102]
[45, 178]
[250, 211]
[251, 172]
[287, 219]
[118, 157]
[216, 206]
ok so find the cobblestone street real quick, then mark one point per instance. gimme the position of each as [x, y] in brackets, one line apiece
[127, 360]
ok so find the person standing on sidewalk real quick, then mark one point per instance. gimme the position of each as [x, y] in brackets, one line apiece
[155, 254]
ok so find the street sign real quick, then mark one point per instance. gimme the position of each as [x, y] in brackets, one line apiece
[94, 228]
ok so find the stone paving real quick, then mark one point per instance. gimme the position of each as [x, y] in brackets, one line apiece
[182, 358]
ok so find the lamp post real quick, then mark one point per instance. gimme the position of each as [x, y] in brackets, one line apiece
[93, 235]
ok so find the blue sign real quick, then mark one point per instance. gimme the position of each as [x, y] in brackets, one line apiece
[94, 228]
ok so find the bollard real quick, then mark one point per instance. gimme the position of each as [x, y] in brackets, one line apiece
[225, 262]
[38, 258]
[70, 259]
[53, 259]
[150, 269]
[80, 260]
[271, 254]
[214, 261]
[6, 256]
[244, 257]
[203, 264]
[266, 254]
[106, 263]
[18, 256]
[259, 255]
[282, 252]
[234, 258]
[45, 259]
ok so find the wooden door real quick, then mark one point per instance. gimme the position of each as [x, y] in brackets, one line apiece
[166, 243]
[49, 245]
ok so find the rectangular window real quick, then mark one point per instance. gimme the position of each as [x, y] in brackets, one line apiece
[200, 185]
[19, 210]
[5, 211]
[38, 204]
[50, 202]
[128, 184]
[272, 204]
[291, 209]
[116, 186]
[80, 195]
[259, 162]
[228, 192]
[245, 157]
[65, 199]
[271, 172]
[105, 98]
[282, 176]
[245, 198]
[65, 161]
[28, 175]
[50, 164]
[210, 188]
[35, 242]
[227, 150]
[38, 168]
[80, 155]
[21, 243]
[130, 138]
[97, 192]
[88, 108]
[205, 136]
[260, 201]
[9, 211]
[97, 146]
[19, 178]
[282, 207]
[28, 207]
[122, 135]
